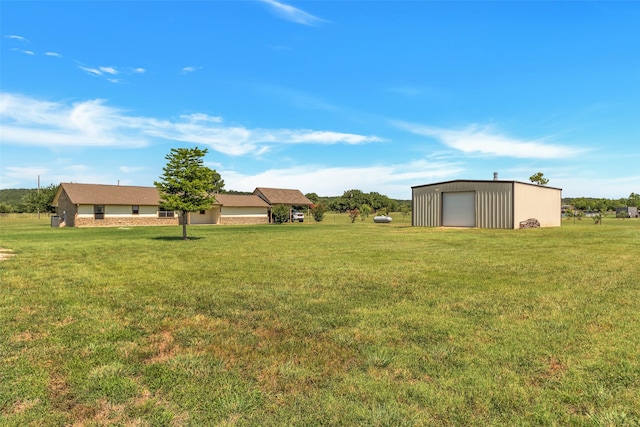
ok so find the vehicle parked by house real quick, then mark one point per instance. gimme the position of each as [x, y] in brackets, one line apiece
[297, 216]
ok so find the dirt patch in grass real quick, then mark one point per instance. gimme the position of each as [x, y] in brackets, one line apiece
[21, 406]
[163, 347]
[5, 254]
[28, 336]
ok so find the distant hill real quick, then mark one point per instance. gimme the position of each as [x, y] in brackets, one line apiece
[13, 196]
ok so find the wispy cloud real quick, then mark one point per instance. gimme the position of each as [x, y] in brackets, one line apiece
[20, 39]
[90, 70]
[26, 52]
[29, 121]
[485, 140]
[53, 54]
[201, 117]
[109, 70]
[99, 71]
[239, 140]
[188, 70]
[292, 14]
[17, 37]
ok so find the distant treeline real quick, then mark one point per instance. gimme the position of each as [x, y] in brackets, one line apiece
[600, 204]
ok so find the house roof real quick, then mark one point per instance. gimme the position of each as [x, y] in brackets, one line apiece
[99, 194]
[277, 196]
[240, 200]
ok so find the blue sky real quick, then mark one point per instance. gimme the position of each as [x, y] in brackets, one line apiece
[323, 96]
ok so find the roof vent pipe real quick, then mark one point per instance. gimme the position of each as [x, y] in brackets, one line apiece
[495, 176]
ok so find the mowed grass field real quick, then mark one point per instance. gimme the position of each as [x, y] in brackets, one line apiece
[326, 323]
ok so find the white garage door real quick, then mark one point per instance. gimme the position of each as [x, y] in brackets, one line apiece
[459, 209]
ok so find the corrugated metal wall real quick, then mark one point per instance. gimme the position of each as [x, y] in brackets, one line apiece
[425, 207]
[494, 203]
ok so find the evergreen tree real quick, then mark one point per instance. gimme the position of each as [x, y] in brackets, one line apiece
[187, 185]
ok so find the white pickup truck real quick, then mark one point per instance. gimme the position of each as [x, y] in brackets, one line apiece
[297, 216]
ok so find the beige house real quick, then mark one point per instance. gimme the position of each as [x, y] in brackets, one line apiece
[95, 205]
[233, 209]
[485, 204]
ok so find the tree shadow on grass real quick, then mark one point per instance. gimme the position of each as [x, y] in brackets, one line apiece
[175, 238]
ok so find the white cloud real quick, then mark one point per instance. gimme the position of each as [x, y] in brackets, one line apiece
[109, 70]
[394, 180]
[200, 117]
[99, 71]
[26, 52]
[28, 121]
[53, 54]
[89, 70]
[292, 14]
[324, 137]
[485, 140]
[17, 37]
[187, 70]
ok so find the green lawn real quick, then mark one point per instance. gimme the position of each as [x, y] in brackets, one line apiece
[326, 323]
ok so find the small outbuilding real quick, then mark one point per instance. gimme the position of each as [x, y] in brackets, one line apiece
[627, 212]
[485, 204]
[282, 196]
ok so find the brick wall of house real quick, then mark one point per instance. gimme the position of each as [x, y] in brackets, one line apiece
[123, 221]
[66, 209]
[230, 220]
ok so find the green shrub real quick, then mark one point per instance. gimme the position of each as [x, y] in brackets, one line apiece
[318, 211]
[280, 213]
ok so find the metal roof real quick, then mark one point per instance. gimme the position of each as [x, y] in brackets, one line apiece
[485, 181]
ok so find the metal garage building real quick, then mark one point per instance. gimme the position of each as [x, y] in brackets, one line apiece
[485, 204]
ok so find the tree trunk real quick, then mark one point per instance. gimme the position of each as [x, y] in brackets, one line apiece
[184, 226]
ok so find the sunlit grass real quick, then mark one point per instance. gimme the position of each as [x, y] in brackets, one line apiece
[326, 323]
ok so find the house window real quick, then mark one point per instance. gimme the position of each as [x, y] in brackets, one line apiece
[135, 209]
[201, 211]
[98, 211]
[163, 213]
